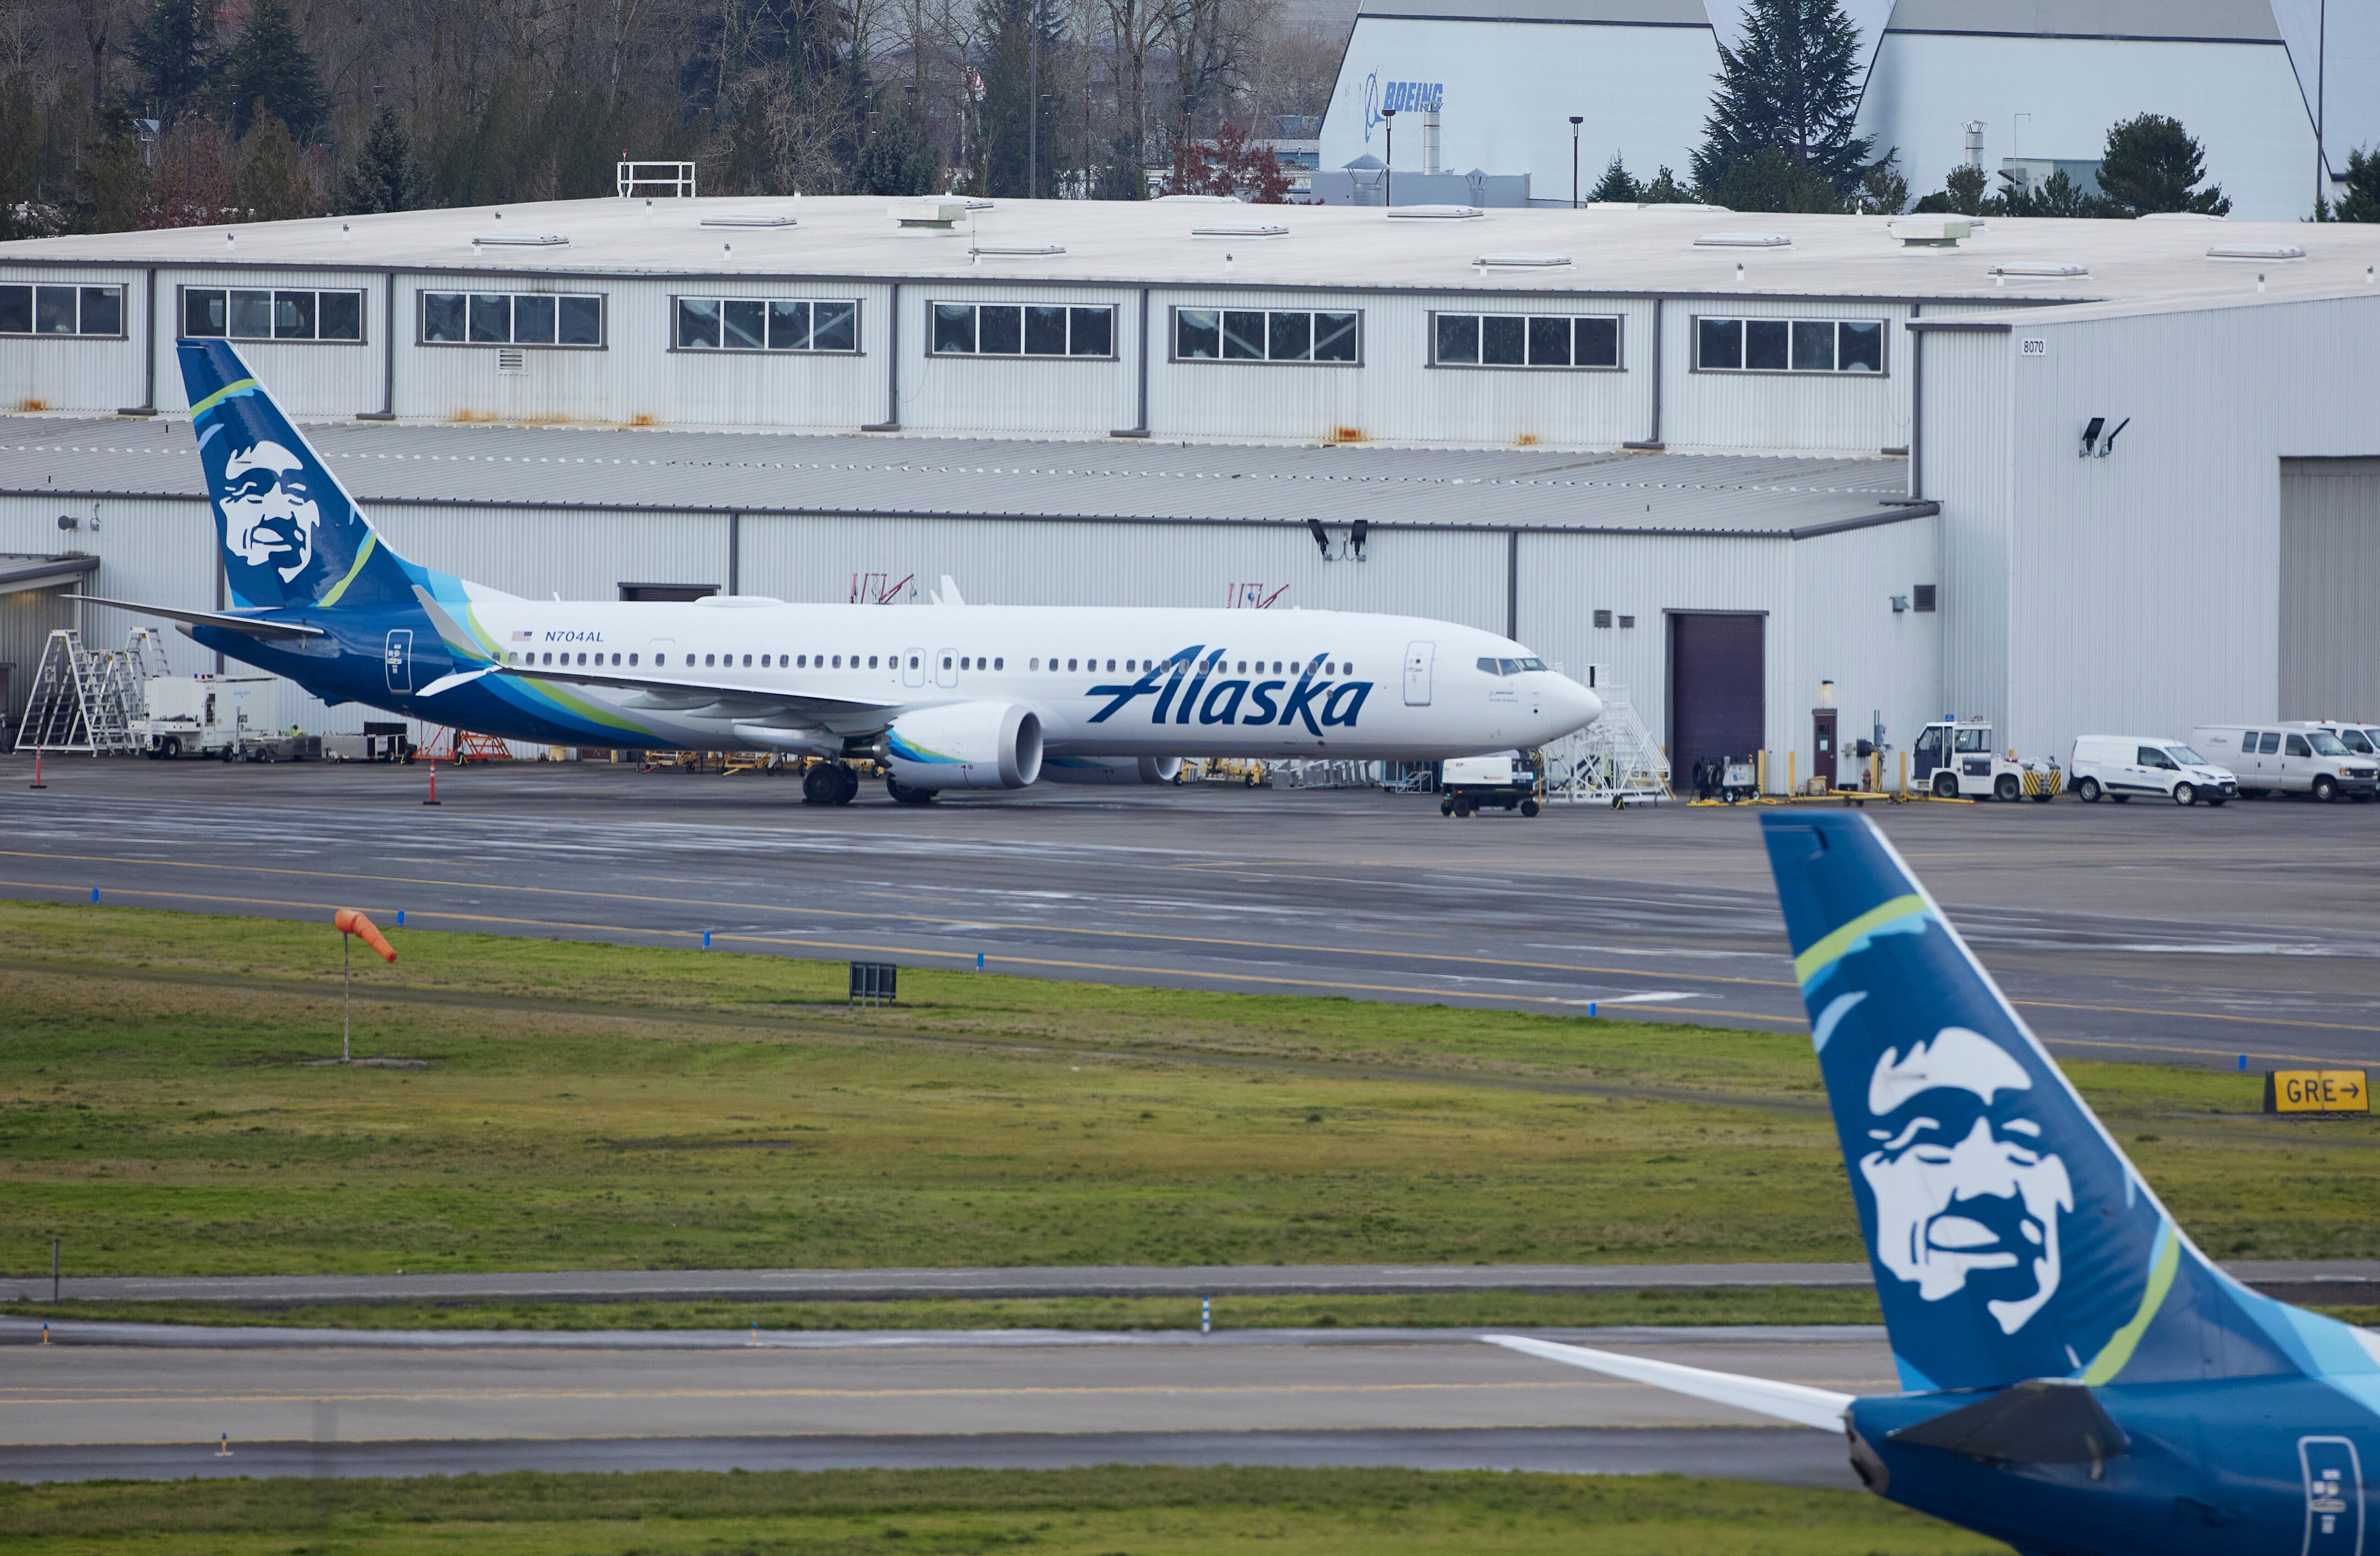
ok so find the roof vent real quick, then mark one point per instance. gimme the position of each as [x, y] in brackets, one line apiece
[1240, 229]
[1938, 233]
[2176, 216]
[1198, 200]
[748, 218]
[1521, 261]
[2255, 251]
[519, 240]
[1743, 240]
[1015, 251]
[2036, 270]
[1683, 205]
[1434, 213]
[929, 215]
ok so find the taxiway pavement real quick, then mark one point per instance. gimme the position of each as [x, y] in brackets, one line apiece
[2143, 930]
[1429, 1398]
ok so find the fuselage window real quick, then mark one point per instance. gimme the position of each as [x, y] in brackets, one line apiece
[946, 662]
[747, 662]
[632, 659]
[1034, 664]
[582, 658]
[710, 660]
[1111, 664]
[999, 664]
[1070, 664]
[871, 661]
[913, 661]
[802, 661]
[838, 662]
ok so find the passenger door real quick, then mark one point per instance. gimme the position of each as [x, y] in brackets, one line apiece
[2297, 764]
[1419, 659]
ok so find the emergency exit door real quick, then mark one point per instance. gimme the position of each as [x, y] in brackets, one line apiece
[1419, 660]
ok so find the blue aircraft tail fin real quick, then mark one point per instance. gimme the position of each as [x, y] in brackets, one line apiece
[290, 535]
[2010, 1237]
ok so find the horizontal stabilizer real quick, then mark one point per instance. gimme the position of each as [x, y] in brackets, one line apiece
[246, 624]
[459, 677]
[1798, 1403]
[2039, 1421]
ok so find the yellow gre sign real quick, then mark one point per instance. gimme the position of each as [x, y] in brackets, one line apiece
[2317, 1091]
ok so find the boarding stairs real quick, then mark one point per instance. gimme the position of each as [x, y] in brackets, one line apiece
[81, 700]
[1613, 761]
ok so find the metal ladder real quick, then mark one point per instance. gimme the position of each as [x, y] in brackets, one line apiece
[1615, 759]
[80, 701]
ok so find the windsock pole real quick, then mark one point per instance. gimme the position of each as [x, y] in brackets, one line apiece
[348, 922]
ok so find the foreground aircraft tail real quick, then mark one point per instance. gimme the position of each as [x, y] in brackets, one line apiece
[2010, 1237]
[290, 535]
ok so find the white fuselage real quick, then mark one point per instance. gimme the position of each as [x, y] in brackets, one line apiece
[1103, 680]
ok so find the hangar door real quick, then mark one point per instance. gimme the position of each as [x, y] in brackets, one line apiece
[1718, 688]
[2330, 573]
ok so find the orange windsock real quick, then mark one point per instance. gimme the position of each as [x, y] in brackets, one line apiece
[347, 920]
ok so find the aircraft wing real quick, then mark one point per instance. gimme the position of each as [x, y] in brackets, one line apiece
[1797, 1403]
[743, 703]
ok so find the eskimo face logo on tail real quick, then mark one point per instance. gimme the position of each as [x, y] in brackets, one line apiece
[289, 536]
[270, 514]
[1963, 1190]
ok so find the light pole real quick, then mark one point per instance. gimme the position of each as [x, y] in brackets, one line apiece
[1388, 175]
[2321, 151]
[1575, 120]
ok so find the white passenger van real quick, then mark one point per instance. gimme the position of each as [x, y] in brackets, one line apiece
[2289, 758]
[2122, 766]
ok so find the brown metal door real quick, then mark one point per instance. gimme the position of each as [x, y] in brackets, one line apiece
[1821, 744]
[1717, 679]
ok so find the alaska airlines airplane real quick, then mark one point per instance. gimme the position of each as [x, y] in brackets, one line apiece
[951, 697]
[2077, 1377]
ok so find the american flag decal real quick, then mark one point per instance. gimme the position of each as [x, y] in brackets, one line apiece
[523, 637]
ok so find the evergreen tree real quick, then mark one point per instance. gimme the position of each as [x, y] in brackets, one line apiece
[1616, 185]
[1769, 180]
[1962, 195]
[2058, 196]
[1791, 86]
[1665, 190]
[386, 176]
[1882, 191]
[2152, 165]
[273, 184]
[896, 160]
[268, 63]
[173, 54]
[1005, 138]
[2361, 203]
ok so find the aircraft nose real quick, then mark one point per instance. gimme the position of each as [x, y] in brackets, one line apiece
[1574, 706]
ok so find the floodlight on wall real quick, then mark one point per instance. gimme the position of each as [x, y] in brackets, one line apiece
[1321, 537]
[1900, 604]
[2110, 446]
[68, 521]
[2091, 437]
[1355, 537]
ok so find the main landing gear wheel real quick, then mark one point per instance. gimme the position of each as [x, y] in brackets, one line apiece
[1946, 786]
[902, 794]
[822, 784]
[2088, 790]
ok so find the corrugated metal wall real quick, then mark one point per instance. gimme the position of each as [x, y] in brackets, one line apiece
[1963, 457]
[1845, 630]
[27, 618]
[2329, 569]
[1395, 393]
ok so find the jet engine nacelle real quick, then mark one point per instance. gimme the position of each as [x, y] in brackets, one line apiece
[965, 745]
[1111, 769]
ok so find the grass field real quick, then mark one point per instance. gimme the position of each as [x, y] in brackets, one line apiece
[587, 1107]
[1108, 1511]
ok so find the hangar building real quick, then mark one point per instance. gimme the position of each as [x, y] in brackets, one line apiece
[2071, 476]
[2044, 81]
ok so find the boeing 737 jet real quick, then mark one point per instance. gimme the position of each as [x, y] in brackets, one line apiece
[2077, 1377]
[954, 697]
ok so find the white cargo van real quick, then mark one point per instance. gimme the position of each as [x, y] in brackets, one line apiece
[2122, 766]
[2283, 758]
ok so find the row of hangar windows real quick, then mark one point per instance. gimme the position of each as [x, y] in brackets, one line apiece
[916, 661]
[1027, 331]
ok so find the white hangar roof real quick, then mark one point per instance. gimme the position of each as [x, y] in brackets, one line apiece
[1772, 497]
[1653, 251]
